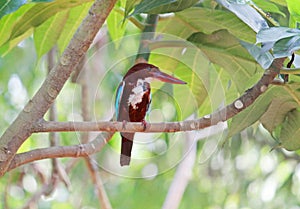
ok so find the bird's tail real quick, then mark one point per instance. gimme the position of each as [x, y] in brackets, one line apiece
[126, 147]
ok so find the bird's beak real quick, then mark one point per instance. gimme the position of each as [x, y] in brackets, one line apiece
[167, 78]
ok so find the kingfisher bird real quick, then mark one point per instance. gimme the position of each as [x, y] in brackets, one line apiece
[133, 98]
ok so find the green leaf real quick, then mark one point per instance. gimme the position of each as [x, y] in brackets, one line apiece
[279, 2]
[275, 34]
[193, 67]
[269, 7]
[265, 59]
[190, 98]
[8, 46]
[116, 27]
[130, 4]
[176, 6]
[284, 40]
[215, 86]
[290, 132]
[225, 50]
[286, 47]
[76, 15]
[39, 13]
[254, 112]
[294, 10]
[246, 13]
[145, 5]
[277, 111]
[223, 86]
[116, 23]
[197, 19]
[9, 6]
[46, 35]
[8, 22]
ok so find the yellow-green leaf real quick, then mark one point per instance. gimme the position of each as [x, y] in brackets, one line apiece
[253, 113]
[277, 111]
[197, 19]
[46, 35]
[76, 16]
[290, 132]
[39, 13]
[8, 21]
[225, 50]
[116, 27]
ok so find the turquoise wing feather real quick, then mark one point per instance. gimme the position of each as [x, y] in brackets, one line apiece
[119, 97]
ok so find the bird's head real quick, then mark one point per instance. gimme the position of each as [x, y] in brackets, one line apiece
[148, 72]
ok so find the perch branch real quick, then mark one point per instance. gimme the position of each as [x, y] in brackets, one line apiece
[84, 150]
[209, 120]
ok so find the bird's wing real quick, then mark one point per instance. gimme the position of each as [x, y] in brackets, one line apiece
[149, 102]
[138, 113]
[119, 97]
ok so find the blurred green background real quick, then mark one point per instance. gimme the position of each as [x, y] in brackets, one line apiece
[199, 169]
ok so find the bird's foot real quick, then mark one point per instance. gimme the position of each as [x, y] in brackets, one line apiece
[144, 123]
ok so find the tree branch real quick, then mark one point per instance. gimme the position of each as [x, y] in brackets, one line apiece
[36, 108]
[189, 125]
[94, 146]
[98, 183]
[81, 150]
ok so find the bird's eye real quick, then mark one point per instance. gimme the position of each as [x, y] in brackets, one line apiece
[148, 68]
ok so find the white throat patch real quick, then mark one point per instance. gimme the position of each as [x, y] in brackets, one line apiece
[137, 93]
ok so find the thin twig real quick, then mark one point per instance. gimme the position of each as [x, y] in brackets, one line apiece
[81, 150]
[100, 190]
[293, 71]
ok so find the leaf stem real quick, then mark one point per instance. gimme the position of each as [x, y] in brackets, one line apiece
[292, 71]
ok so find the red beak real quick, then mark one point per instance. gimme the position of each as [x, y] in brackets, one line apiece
[167, 78]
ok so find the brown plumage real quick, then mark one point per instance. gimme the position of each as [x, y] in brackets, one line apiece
[133, 100]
